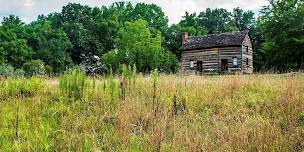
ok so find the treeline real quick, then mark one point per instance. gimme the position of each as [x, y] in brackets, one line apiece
[98, 39]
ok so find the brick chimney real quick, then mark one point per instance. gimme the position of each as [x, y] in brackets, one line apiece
[185, 36]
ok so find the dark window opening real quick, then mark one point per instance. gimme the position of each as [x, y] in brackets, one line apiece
[199, 66]
[247, 49]
[224, 65]
[247, 61]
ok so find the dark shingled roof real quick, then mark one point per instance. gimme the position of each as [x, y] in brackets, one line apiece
[214, 40]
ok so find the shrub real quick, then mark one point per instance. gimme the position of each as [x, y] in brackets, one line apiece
[34, 67]
[48, 70]
[72, 83]
[19, 73]
[6, 70]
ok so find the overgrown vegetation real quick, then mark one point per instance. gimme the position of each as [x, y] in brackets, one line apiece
[72, 83]
[152, 113]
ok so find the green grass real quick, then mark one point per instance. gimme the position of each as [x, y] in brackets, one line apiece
[157, 113]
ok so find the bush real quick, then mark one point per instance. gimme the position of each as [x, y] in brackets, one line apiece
[48, 70]
[9, 71]
[168, 63]
[34, 67]
[6, 70]
[19, 73]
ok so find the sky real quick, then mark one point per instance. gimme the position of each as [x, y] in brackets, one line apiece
[28, 10]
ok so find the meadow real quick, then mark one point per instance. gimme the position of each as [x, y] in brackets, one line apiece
[132, 112]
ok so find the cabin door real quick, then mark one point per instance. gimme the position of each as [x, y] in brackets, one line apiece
[199, 66]
[224, 65]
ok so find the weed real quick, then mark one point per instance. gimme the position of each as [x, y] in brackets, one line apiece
[72, 83]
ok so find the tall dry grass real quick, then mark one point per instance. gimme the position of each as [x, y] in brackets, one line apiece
[157, 113]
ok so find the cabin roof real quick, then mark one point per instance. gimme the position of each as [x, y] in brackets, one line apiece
[214, 40]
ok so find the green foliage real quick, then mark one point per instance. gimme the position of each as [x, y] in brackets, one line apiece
[155, 78]
[48, 70]
[151, 13]
[173, 36]
[139, 34]
[216, 20]
[128, 74]
[21, 87]
[209, 21]
[13, 45]
[111, 59]
[243, 20]
[169, 62]
[50, 45]
[1, 55]
[34, 67]
[19, 73]
[72, 83]
[6, 70]
[139, 45]
[14, 50]
[88, 29]
[282, 27]
[9, 71]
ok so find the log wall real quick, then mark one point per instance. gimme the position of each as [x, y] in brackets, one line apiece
[212, 58]
[247, 55]
[209, 57]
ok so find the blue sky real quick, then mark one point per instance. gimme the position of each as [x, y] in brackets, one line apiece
[28, 10]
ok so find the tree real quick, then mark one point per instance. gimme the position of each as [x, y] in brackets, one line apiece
[1, 55]
[14, 49]
[139, 45]
[173, 36]
[243, 20]
[216, 21]
[34, 67]
[151, 13]
[50, 45]
[282, 24]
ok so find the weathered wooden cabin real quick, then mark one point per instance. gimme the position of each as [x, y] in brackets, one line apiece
[217, 53]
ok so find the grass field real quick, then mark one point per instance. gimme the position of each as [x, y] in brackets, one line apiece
[153, 113]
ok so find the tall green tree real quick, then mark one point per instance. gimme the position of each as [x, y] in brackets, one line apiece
[1, 55]
[50, 45]
[282, 25]
[243, 20]
[151, 13]
[173, 37]
[216, 20]
[137, 44]
[13, 46]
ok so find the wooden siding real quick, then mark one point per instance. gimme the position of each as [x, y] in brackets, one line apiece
[247, 55]
[229, 53]
[211, 59]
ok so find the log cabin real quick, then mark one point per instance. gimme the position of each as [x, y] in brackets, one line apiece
[217, 53]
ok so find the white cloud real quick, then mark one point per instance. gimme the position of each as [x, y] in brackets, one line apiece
[28, 10]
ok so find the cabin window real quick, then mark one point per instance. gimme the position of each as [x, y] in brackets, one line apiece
[235, 61]
[191, 64]
[247, 61]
